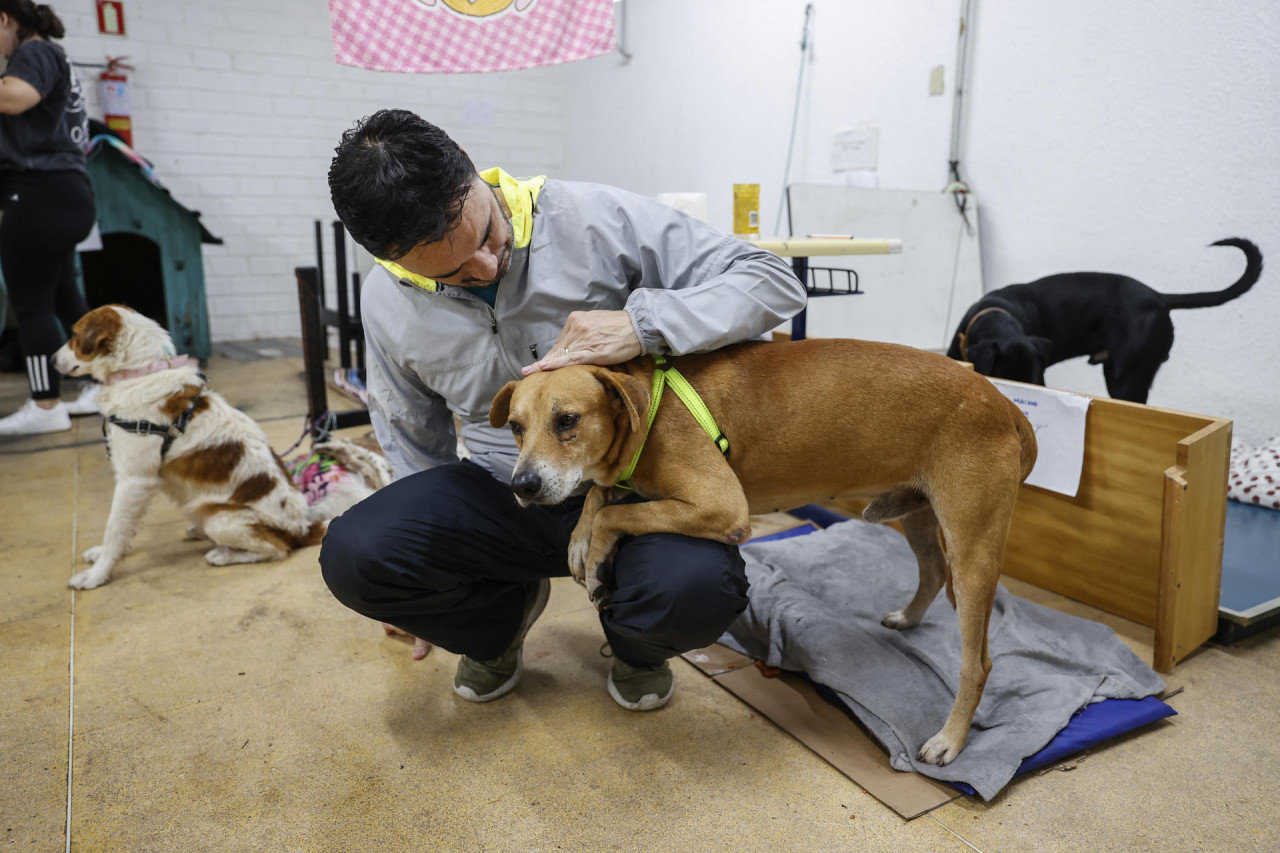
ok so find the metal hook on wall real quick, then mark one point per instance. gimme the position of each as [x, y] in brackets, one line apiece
[622, 29]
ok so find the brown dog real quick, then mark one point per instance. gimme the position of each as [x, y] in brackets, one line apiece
[930, 442]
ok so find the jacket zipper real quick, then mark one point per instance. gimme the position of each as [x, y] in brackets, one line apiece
[493, 327]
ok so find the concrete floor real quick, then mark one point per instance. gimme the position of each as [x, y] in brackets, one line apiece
[184, 707]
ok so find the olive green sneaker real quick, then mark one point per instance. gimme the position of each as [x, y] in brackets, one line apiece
[484, 681]
[641, 689]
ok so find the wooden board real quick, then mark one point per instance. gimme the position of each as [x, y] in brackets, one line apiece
[1143, 537]
[1194, 523]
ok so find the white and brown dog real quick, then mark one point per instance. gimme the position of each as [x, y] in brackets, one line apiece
[166, 430]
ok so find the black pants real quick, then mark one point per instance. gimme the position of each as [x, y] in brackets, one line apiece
[45, 215]
[444, 554]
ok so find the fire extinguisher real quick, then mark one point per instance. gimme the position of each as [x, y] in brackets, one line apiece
[115, 98]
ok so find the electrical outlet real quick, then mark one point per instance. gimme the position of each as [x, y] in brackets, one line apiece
[935, 81]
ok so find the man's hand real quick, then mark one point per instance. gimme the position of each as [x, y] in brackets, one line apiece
[420, 646]
[591, 337]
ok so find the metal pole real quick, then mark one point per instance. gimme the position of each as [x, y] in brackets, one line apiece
[962, 58]
[340, 277]
[313, 336]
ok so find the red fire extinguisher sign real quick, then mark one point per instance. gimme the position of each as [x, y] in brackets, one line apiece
[111, 17]
[115, 98]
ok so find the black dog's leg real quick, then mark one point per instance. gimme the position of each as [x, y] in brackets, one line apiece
[1131, 364]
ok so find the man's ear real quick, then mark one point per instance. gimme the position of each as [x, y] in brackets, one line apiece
[96, 331]
[500, 409]
[983, 356]
[626, 391]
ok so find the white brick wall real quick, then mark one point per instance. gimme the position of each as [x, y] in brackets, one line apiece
[239, 105]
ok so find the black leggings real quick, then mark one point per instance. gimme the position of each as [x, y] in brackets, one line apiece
[45, 215]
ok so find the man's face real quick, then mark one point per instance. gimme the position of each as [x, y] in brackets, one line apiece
[477, 252]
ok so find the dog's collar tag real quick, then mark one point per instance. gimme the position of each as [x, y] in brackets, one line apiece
[666, 374]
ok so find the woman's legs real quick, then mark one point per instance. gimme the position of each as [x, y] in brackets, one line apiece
[45, 216]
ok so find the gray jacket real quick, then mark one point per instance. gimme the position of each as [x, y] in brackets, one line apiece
[686, 286]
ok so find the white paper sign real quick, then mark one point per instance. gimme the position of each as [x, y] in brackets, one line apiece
[855, 149]
[1058, 418]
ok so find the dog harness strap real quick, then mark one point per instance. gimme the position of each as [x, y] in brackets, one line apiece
[666, 374]
[149, 428]
[696, 407]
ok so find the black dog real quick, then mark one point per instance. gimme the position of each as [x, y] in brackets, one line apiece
[1017, 331]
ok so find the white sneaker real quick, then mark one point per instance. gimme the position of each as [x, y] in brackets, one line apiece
[86, 403]
[33, 420]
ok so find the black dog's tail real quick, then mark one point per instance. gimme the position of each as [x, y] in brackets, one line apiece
[1252, 269]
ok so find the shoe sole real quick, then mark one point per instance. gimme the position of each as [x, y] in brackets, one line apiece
[498, 692]
[539, 605]
[647, 702]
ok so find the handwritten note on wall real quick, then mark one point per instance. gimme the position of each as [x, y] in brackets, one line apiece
[1059, 419]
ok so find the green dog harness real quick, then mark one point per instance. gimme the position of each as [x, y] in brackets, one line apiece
[666, 374]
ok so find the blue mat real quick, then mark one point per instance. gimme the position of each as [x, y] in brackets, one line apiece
[1250, 562]
[1091, 725]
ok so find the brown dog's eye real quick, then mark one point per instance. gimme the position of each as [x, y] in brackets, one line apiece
[567, 421]
[516, 429]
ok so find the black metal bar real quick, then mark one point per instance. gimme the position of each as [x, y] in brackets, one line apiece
[320, 258]
[851, 287]
[320, 274]
[313, 335]
[340, 271]
[798, 322]
[358, 331]
[351, 418]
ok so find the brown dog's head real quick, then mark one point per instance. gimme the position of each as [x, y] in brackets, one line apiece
[572, 425]
[110, 339]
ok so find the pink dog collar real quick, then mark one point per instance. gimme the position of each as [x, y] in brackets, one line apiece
[155, 367]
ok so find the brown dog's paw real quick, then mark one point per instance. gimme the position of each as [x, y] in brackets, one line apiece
[899, 620]
[579, 548]
[939, 750]
[599, 582]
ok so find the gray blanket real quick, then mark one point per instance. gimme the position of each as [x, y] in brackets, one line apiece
[816, 606]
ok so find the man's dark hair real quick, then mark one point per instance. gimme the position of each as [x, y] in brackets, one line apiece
[398, 181]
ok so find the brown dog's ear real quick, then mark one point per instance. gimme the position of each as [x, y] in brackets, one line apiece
[627, 391]
[500, 409]
[93, 333]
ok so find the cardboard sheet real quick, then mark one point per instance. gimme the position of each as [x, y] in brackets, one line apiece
[797, 708]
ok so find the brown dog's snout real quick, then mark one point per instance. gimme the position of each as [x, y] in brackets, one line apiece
[526, 484]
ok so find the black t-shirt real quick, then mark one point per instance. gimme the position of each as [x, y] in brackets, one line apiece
[52, 135]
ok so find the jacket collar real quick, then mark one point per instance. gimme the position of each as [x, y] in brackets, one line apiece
[521, 197]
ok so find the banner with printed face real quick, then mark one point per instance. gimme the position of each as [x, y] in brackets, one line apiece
[464, 36]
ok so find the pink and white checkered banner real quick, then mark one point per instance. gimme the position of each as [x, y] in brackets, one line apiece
[461, 36]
